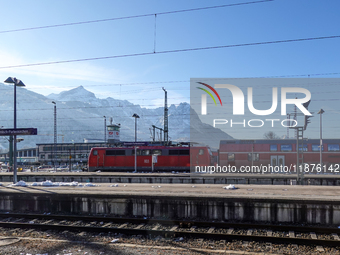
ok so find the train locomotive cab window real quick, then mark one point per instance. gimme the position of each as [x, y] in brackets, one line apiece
[201, 152]
[156, 152]
[333, 147]
[95, 153]
[231, 157]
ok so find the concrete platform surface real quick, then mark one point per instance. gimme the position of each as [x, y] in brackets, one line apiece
[280, 192]
[149, 174]
[175, 178]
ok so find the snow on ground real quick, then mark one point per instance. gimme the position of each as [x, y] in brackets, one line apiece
[53, 184]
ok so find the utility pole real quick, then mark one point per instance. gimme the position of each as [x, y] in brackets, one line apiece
[70, 163]
[299, 155]
[166, 124]
[299, 144]
[321, 112]
[105, 141]
[55, 135]
[288, 118]
[295, 118]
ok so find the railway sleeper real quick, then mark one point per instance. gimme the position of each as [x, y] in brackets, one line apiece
[179, 234]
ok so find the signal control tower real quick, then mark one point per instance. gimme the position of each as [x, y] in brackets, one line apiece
[113, 131]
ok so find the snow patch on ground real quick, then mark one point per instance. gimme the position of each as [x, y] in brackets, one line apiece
[49, 183]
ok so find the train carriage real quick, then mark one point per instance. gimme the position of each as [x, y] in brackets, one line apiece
[280, 152]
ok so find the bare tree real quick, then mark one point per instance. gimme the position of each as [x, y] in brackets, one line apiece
[270, 135]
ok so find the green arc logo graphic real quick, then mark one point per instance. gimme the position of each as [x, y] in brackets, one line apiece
[209, 93]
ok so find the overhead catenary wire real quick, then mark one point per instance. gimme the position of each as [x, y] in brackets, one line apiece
[169, 12]
[132, 16]
[173, 51]
[186, 81]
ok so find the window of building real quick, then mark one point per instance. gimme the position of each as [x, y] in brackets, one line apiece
[273, 147]
[333, 147]
[305, 148]
[231, 156]
[42, 156]
[316, 147]
[256, 156]
[113, 128]
[286, 147]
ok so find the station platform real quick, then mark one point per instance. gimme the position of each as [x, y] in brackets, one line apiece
[179, 178]
[246, 203]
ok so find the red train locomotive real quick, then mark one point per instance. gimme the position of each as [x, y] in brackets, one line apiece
[149, 158]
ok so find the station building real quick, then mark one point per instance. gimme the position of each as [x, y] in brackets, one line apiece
[50, 154]
[63, 153]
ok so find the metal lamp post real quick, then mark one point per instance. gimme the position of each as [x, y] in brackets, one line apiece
[16, 82]
[136, 117]
[55, 134]
[321, 112]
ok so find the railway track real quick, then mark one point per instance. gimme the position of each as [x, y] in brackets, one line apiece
[221, 231]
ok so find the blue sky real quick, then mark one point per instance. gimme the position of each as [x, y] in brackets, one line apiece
[140, 79]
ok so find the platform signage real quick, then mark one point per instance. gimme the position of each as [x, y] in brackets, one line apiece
[18, 131]
[135, 143]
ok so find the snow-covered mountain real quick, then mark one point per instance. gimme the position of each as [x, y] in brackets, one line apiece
[80, 115]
